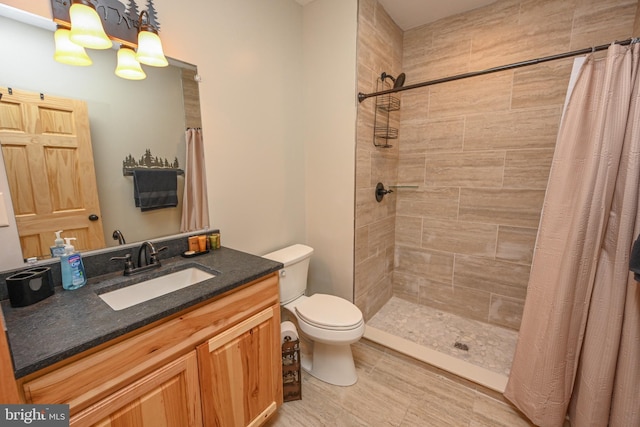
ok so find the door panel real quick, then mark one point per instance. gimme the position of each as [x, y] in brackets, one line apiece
[240, 372]
[168, 397]
[46, 145]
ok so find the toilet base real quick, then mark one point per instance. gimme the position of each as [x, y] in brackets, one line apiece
[332, 364]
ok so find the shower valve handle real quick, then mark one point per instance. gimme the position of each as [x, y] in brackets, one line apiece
[381, 192]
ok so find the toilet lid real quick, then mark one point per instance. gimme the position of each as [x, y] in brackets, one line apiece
[329, 312]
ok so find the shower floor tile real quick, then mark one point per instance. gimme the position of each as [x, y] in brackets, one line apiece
[488, 346]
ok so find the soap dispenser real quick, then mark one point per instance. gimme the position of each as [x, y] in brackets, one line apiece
[73, 274]
[57, 250]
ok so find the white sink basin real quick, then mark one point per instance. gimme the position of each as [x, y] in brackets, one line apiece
[144, 291]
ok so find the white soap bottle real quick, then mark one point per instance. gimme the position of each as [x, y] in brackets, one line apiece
[57, 250]
[73, 274]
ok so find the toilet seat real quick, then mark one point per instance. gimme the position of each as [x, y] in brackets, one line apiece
[329, 312]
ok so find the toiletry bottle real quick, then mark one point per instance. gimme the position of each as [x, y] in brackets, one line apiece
[73, 274]
[57, 250]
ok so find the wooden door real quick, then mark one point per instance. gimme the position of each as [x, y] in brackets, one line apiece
[168, 397]
[46, 145]
[241, 372]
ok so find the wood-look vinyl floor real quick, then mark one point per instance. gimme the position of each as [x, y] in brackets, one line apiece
[395, 390]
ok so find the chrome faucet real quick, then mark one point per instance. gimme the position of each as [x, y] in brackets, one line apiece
[147, 252]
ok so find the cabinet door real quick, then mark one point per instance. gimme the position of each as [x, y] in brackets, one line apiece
[241, 372]
[169, 396]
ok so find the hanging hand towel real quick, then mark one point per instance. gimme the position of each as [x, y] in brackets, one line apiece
[634, 260]
[155, 189]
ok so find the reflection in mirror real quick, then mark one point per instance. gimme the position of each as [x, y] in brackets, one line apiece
[126, 118]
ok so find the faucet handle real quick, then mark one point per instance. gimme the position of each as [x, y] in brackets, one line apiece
[153, 258]
[128, 264]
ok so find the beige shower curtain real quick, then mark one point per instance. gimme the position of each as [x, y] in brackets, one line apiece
[195, 205]
[579, 346]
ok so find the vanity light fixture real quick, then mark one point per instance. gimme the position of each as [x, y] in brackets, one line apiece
[149, 45]
[128, 67]
[96, 24]
[67, 52]
[86, 26]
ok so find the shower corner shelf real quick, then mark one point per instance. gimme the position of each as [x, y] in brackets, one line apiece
[385, 104]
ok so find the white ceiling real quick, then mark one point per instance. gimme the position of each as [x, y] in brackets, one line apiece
[413, 13]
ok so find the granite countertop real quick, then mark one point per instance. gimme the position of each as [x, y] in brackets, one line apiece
[70, 322]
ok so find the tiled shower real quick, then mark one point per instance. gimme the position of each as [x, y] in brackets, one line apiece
[474, 154]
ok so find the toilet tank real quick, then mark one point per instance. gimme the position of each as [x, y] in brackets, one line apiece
[293, 277]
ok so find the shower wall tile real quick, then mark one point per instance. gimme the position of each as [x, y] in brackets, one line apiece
[429, 202]
[601, 22]
[518, 129]
[408, 231]
[416, 42]
[541, 85]
[420, 136]
[505, 311]
[465, 169]
[516, 244]
[363, 168]
[380, 48]
[381, 236]
[444, 134]
[505, 43]
[384, 168]
[444, 59]
[467, 302]
[378, 295]
[361, 244]
[484, 94]
[411, 170]
[414, 107]
[368, 210]
[460, 237]
[518, 207]
[527, 168]
[478, 149]
[370, 272]
[491, 276]
[436, 265]
[407, 286]
[366, 10]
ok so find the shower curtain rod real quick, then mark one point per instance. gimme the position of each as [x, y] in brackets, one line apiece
[363, 96]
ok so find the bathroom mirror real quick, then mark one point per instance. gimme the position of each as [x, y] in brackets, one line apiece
[127, 118]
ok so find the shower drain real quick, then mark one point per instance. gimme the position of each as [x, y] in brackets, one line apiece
[461, 346]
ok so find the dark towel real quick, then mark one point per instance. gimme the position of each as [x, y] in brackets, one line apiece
[155, 188]
[634, 260]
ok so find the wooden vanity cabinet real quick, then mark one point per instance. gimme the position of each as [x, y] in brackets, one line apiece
[218, 364]
[169, 396]
[236, 371]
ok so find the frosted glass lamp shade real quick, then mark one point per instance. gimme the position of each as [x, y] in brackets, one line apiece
[150, 49]
[67, 52]
[86, 26]
[128, 67]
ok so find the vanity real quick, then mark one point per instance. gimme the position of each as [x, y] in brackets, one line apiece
[208, 354]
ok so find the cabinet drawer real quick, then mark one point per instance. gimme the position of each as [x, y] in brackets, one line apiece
[99, 374]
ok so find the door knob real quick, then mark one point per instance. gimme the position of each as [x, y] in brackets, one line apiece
[93, 217]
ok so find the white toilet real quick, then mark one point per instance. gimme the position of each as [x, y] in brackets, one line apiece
[327, 323]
